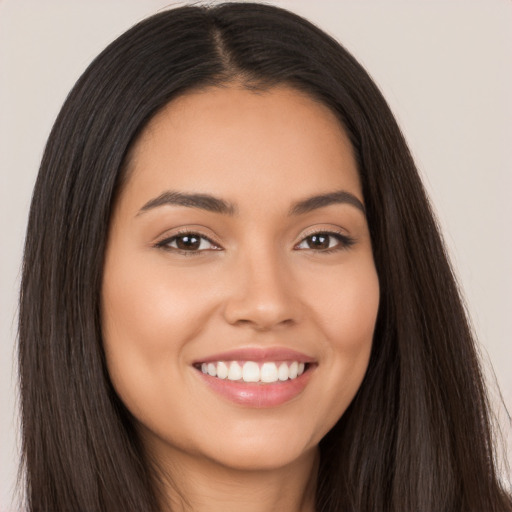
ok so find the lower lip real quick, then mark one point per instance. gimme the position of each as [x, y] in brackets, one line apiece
[258, 395]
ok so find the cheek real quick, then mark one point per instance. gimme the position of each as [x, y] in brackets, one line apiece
[346, 301]
[350, 321]
[148, 317]
[351, 330]
[347, 319]
[151, 304]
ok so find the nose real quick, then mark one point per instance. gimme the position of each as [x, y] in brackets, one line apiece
[264, 295]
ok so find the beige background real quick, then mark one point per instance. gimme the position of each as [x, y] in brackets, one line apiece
[444, 66]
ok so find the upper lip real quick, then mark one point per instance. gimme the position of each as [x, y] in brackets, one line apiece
[258, 354]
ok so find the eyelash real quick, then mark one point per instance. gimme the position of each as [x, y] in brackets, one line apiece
[164, 244]
[345, 242]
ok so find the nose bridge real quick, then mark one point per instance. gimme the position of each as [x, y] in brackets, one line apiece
[263, 294]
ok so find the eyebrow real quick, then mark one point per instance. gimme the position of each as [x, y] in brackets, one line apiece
[201, 201]
[322, 200]
[217, 205]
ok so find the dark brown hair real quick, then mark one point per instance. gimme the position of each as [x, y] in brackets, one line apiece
[417, 436]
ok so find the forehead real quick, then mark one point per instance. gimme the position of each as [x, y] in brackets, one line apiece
[242, 144]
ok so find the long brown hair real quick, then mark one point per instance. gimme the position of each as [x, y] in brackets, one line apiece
[417, 436]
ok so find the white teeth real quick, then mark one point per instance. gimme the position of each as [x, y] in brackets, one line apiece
[212, 369]
[294, 368]
[283, 372]
[269, 372]
[235, 371]
[250, 371]
[222, 370]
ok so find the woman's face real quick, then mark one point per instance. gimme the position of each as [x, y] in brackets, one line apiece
[240, 293]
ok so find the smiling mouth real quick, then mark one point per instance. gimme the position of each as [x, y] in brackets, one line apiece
[268, 372]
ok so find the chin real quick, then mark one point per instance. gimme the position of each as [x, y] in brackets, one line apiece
[262, 458]
[257, 453]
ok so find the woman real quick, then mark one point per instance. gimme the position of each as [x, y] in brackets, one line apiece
[234, 292]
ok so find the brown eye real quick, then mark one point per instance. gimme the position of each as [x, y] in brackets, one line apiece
[320, 241]
[187, 243]
[326, 242]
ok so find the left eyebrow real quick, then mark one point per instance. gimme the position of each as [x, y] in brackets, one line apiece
[217, 205]
[321, 201]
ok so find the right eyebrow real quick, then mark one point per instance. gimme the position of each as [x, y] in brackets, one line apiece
[202, 201]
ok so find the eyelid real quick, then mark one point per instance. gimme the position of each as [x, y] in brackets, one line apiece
[315, 230]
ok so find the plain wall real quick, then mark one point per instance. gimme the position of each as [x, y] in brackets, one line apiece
[444, 67]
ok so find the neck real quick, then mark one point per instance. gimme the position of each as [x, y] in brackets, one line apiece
[204, 486]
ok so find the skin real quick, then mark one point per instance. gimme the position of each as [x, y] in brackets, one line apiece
[262, 283]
